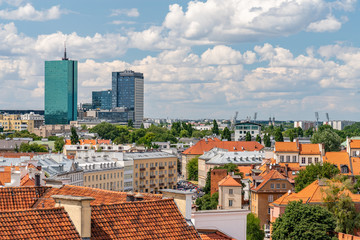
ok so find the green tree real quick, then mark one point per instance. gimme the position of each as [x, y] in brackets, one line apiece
[83, 127]
[74, 138]
[34, 147]
[226, 134]
[253, 229]
[208, 202]
[207, 187]
[215, 128]
[248, 136]
[184, 133]
[309, 132]
[291, 136]
[267, 141]
[59, 144]
[130, 123]
[278, 135]
[314, 171]
[258, 138]
[106, 130]
[192, 169]
[304, 222]
[329, 138]
[142, 126]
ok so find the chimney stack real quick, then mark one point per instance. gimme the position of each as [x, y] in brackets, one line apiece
[37, 180]
[130, 197]
[138, 197]
[183, 200]
[79, 211]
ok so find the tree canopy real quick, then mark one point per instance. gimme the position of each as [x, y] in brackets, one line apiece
[253, 229]
[34, 147]
[226, 134]
[215, 128]
[192, 169]
[304, 222]
[59, 144]
[328, 137]
[208, 202]
[248, 136]
[278, 135]
[74, 138]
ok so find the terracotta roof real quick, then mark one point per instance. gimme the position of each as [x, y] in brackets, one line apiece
[354, 143]
[339, 159]
[159, 219]
[17, 198]
[213, 235]
[292, 166]
[103, 141]
[229, 181]
[233, 146]
[310, 149]
[82, 141]
[286, 147]
[27, 181]
[5, 177]
[101, 196]
[246, 170]
[272, 175]
[355, 161]
[37, 224]
[18, 155]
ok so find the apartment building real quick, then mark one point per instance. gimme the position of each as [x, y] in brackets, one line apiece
[14, 122]
[153, 171]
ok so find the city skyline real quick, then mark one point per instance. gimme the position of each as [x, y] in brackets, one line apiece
[200, 59]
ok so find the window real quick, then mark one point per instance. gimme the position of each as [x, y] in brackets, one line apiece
[294, 158]
[231, 191]
[284, 185]
[309, 160]
[272, 186]
[344, 169]
[136, 166]
[287, 158]
[269, 210]
[270, 198]
[303, 160]
[281, 158]
[278, 186]
[316, 160]
[230, 203]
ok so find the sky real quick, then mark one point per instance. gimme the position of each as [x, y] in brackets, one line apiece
[200, 59]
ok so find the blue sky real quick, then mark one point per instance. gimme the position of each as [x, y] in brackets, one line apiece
[200, 59]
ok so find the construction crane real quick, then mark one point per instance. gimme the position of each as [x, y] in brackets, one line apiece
[327, 117]
[255, 116]
[233, 121]
[317, 120]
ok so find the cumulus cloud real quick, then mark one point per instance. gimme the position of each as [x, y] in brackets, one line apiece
[330, 24]
[119, 22]
[29, 13]
[133, 12]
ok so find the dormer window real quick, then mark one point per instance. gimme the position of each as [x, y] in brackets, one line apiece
[344, 169]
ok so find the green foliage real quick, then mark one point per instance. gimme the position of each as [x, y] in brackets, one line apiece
[24, 134]
[26, 147]
[309, 132]
[304, 222]
[253, 229]
[248, 136]
[83, 127]
[59, 144]
[207, 187]
[226, 134]
[328, 137]
[258, 138]
[74, 138]
[215, 128]
[267, 141]
[130, 123]
[278, 135]
[192, 169]
[208, 202]
[314, 171]
[142, 126]
[106, 130]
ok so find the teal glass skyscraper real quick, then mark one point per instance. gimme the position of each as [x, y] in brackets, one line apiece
[60, 91]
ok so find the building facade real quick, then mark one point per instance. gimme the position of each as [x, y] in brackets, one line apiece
[101, 99]
[241, 129]
[128, 92]
[14, 122]
[60, 91]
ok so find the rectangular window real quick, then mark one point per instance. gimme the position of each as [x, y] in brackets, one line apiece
[281, 158]
[272, 186]
[303, 160]
[269, 210]
[287, 158]
[230, 191]
[294, 158]
[309, 160]
[284, 185]
[278, 186]
[136, 166]
[230, 203]
[270, 198]
[316, 160]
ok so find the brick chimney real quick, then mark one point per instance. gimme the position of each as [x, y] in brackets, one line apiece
[79, 211]
[183, 200]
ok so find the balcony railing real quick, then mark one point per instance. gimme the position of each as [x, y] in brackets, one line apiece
[152, 168]
[161, 184]
[142, 177]
[171, 166]
[142, 186]
[142, 169]
[162, 167]
[161, 175]
[171, 175]
[152, 185]
[152, 176]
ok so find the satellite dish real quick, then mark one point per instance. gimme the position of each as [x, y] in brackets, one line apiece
[357, 153]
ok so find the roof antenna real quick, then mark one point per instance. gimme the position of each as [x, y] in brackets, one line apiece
[65, 58]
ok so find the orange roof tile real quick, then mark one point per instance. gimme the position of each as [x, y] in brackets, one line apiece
[5, 177]
[354, 143]
[310, 149]
[246, 170]
[272, 175]
[37, 224]
[158, 219]
[213, 235]
[82, 141]
[233, 146]
[103, 141]
[229, 181]
[286, 147]
[339, 159]
[101, 196]
[18, 155]
[355, 161]
[27, 181]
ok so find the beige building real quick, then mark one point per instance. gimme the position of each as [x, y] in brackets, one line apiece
[230, 196]
[50, 130]
[153, 171]
[14, 122]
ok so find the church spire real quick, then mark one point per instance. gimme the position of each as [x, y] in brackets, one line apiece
[65, 58]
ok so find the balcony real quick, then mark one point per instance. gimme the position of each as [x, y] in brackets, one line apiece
[161, 176]
[171, 183]
[152, 176]
[171, 175]
[171, 166]
[152, 168]
[142, 169]
[142, 177]
[142, 186]
[161, 167]
[152, 185]
[161, 184]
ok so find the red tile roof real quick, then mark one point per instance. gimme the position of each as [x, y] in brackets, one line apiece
[310, 149]
[272, 175]
[286, 147]
[229, 181]
[159, 219]
[37, 224]
[27, 181]
[233, 146]
[89, 141]
[213, 235]
[354, 143]
[103, 141]
[339, 159]
[101, 196]
[18, 155]
[17, 198]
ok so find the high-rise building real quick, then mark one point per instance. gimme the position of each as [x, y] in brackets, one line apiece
[60, 91]
[101, 99]
[128, 92]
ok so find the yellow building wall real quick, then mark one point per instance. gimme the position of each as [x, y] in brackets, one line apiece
[110, 179]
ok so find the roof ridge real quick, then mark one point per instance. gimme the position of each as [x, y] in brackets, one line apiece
[133, 202]
[31, 209]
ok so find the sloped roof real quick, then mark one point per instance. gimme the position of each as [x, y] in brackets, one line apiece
[339, 159]
[37, 224]
[310, 149]
[229, 181]
[355, 161]
[213, 235]
[159, 219]
[246, 170]
[354, 143]
[272, 175]
[286, 147]
[233, 146]
[27, 181]
[101, 196]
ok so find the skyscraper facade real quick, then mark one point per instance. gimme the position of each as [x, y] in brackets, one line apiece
[102, 99]
[60, 91]
[128, 92]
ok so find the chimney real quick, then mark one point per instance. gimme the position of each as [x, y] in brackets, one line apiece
[183, 200]
[138, 197]
[286, 169]
[79, 211]
[37, 180]
[130, 197]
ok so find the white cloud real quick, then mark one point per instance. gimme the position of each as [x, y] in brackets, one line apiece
[118, 22]
[330, 24]
[133, 12]
[29, 13]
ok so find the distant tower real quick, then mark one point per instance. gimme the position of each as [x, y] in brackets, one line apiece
[273, 121]
[60, 91]
[270, 123]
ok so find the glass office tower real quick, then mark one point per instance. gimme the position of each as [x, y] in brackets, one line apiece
[101, 99]
[128, 92]
[60, 91]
